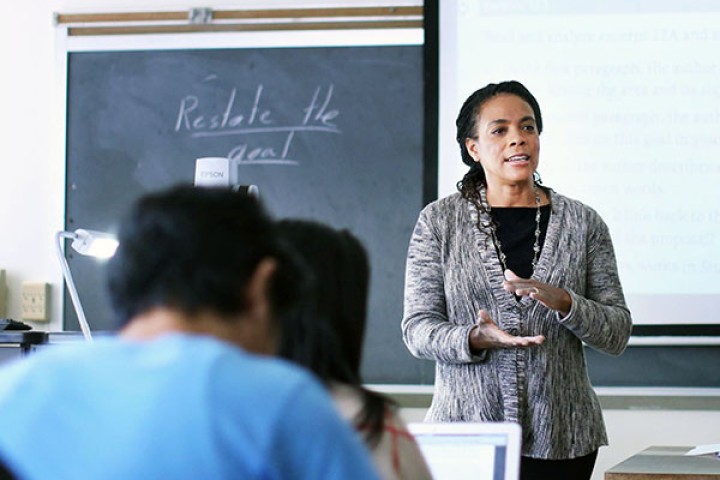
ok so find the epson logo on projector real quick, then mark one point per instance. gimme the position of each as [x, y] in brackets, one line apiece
[212, 172]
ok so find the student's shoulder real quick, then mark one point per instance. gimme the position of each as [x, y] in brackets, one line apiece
[262, 375]
[46, 369]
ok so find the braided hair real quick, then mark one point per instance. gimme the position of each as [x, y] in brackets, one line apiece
[466, 123]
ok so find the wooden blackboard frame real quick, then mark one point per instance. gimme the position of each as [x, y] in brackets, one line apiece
[196, 20]
[224, 40]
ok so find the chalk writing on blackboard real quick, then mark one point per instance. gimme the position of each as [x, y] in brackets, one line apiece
[277, 134]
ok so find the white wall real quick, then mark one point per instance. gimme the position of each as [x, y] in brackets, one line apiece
[32, 194]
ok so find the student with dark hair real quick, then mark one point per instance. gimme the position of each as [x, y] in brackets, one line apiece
[326, 335]
[505, 282]
[186, 389]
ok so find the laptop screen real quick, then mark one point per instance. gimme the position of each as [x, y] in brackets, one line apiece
[478, 451]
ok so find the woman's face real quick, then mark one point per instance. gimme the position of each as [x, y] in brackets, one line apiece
[506, 143]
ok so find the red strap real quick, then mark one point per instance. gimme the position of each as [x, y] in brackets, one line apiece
[395, 433]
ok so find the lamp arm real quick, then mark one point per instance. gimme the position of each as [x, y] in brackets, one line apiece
[67, 275]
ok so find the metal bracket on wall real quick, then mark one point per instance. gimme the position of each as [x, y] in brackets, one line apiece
[200, 16]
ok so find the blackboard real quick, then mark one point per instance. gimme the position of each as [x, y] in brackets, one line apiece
[333, 134]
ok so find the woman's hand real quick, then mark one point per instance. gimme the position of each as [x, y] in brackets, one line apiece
[553, 298]
[486, 334]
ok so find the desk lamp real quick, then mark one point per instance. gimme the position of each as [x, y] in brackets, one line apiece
[85, 242]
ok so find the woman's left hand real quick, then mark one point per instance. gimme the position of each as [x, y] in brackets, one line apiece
[552, 297]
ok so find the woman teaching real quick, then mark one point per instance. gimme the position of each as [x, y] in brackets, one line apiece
[505, 281]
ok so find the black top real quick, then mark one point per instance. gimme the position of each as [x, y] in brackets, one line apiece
[516, 232]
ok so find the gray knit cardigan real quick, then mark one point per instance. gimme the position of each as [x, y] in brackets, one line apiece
[453, 271]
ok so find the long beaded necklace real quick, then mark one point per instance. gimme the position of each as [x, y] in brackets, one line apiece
[496, 240]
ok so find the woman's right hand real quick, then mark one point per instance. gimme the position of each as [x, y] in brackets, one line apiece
[486, 334]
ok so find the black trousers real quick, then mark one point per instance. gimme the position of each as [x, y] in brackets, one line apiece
[579, 468]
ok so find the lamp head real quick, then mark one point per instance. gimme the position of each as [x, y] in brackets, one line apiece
[84, 242]
[93, 243]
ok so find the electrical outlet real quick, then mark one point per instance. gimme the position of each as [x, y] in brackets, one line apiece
[3, 295]
[35, 301]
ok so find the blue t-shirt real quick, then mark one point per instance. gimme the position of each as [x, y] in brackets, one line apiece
[178, 407]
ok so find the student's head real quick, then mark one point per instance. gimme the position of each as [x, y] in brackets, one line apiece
[326, 333]
[197, 251]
